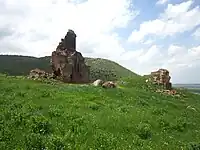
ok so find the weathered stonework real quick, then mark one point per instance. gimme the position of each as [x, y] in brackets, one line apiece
[37, 73]
[109, 84]
[161, 77]
[67, 63]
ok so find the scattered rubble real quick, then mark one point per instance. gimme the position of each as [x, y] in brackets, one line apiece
[67, 63]
[168, 92]
[161, 77]
[109, 84]
[37, 73]
[98, 82]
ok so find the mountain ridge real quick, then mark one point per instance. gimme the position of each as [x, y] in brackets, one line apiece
[100, 68]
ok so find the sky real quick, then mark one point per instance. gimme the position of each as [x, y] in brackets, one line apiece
[141, 35]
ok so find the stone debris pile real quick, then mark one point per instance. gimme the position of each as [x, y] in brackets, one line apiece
[161, 77]
[107, 84]
[38, 73]
[98, 82]
[168, 92]
[68, 64]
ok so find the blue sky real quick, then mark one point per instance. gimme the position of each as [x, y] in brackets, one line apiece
[150, 11]
[141, 35]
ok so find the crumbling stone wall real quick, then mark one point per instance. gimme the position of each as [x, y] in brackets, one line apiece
[37, 73]
[67, 63]
[161, 77]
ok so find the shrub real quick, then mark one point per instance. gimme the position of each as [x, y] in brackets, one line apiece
[144, 130]
[180, 124]
[55, 111]
[194, 146]
[41, 125]
[35, 141]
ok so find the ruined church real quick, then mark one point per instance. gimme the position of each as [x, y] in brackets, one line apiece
[68, 64]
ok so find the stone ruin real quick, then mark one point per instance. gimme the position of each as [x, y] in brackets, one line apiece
[68, 64]
[161, 77]
[38, 73]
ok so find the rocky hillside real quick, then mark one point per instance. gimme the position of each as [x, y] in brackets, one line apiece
[100, 68]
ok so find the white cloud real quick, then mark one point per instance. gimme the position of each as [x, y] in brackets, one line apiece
[35, 28]
[152, 53]
[175, 50]
[148, 42]
[196, 34]
[195, 51]
[160, 2]
[176, 18]
[183, 63]
[39, 25]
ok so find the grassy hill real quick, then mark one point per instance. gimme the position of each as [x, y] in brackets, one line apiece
[100, 68]
[38, 115]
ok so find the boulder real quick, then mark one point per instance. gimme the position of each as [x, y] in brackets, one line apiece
[109, 84]
[98, 82]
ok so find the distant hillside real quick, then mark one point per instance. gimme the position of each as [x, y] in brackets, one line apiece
[100, 68]
[195, 88]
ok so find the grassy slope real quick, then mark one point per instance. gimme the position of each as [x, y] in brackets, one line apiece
[38, 115]
[105, 69]
[100, 68]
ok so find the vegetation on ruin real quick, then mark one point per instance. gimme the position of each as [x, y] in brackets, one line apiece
[99, 68]
[50, 115]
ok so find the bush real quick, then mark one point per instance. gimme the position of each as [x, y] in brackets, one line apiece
[194, 146]
[144, 130]
[41, 125]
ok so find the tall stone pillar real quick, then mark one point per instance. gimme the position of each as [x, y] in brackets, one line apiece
[68, 64]
[70, 40]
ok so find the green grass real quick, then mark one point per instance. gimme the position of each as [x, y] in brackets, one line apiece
[107, 70]
[39, 115]
[99, 68]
